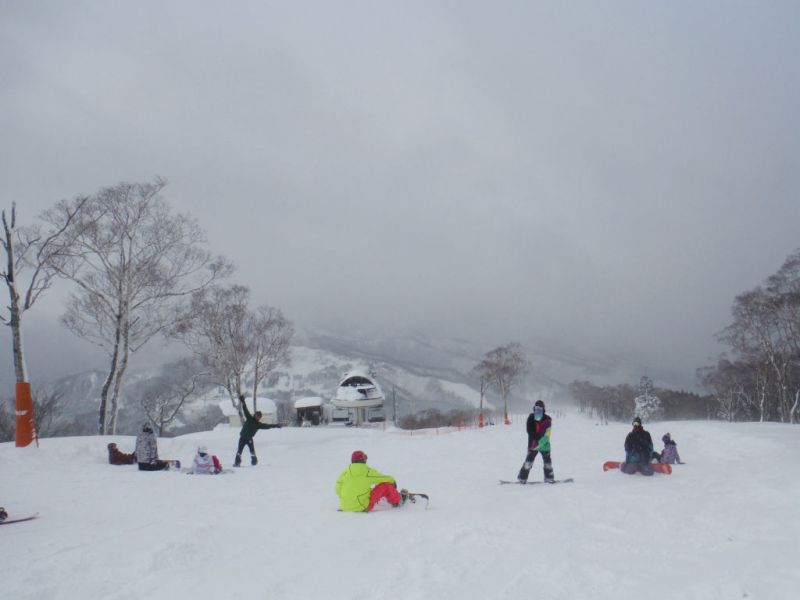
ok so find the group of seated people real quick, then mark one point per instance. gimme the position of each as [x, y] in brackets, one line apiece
[146, 456]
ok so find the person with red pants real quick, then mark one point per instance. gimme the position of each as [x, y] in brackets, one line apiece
[360, 487]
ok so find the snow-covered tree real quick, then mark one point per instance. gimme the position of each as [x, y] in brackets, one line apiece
[647, 405]
[233, 343]
[32, 255]
[165, 395]
[503, 368]
[133, 261]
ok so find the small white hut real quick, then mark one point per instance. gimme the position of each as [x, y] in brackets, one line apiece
[308, 410]
[267, 406]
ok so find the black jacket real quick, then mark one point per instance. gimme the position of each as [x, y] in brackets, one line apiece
[251, 424]
[638, 447]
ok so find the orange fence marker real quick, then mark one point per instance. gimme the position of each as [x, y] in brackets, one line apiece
[25, 427]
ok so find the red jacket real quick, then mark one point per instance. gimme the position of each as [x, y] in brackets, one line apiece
[116, 457]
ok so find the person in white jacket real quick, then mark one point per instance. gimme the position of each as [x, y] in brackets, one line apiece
[204, 463]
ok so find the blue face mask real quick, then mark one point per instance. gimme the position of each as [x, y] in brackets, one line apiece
[538, 413]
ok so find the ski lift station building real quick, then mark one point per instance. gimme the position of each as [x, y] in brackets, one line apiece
[362, 395]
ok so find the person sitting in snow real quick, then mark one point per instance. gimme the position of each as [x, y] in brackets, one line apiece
[669, 455]
[360, 487]
[3, 514]
[538, 426]
[118, 457]
[638, 450]
[147, 451]
[252, 423]
[205, 463]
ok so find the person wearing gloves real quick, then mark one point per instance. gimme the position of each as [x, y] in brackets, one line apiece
[252, 423]
[205, 463]
[538, 425]
[638, 450]
[360, 487]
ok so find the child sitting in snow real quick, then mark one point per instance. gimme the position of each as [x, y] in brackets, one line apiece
[205, 463]
[669, 455]
[118, 457]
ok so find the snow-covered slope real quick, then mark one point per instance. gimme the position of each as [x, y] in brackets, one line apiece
[723, 526]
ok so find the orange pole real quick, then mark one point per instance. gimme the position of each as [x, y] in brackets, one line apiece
[25, 427]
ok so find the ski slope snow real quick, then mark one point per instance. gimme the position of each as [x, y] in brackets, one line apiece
[724, 526]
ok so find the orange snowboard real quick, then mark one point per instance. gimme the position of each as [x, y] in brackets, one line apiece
[612, 464]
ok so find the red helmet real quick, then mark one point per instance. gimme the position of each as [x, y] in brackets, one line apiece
[358, 457]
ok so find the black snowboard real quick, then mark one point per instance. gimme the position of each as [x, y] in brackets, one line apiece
[568, 480]
[413, 497]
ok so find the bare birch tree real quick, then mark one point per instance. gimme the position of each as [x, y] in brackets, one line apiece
[164, 397]
[32, 257]
[503, 368]
[233, 343]
[133, 260]
[272, 334]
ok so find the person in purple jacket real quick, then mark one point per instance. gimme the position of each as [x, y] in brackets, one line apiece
[669, 455]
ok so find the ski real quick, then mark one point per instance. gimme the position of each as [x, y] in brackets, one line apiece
[658, 467]
[567, 480]
[9, 521]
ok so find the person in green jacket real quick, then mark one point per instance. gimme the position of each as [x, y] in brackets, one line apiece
[539, 425]
[360, 487]
[252, 423]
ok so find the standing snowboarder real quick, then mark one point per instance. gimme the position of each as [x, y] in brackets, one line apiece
[252, 423]
[538, 425]
[638, 450]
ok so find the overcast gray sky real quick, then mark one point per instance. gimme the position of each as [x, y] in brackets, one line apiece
[608, 175]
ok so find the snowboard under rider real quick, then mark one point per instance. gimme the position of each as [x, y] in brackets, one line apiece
[251, 425]
[360, 487]
[669, 455]
[638, 450]
[147, 451]
[538, 425]
[118, 457]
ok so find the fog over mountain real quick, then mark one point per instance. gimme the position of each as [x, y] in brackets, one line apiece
[589, 180]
